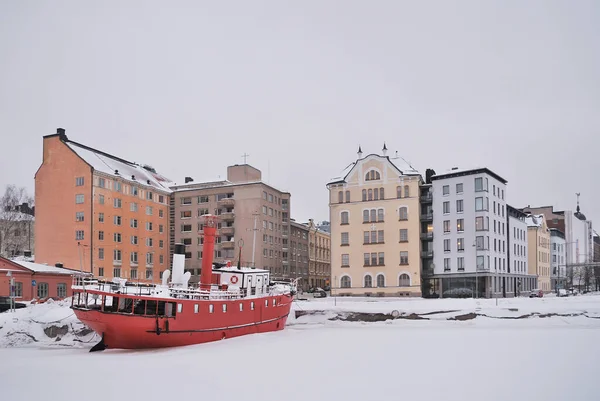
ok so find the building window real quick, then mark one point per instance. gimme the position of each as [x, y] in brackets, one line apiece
[101, 235]
[481, 262]
[347, 196]
[446, 264]
[340, 200]
[446, 206]
[101, 182]
[446, 190]
[380, 280]
[186, 214]
[117, 255]
[133, 207]
[78, 216]
[379, 215]
[101, 271]
[150, 243]
[117, 272]
[406, 191]
[18, 292]
[203, 199]
[404, 280]
[186, 200]
[460, 263]
[79, 235]
[117, 220]
[149, 274]
[134, 239]
[459, 206]
[149, 226]
[101, 217]
[403, 235]
[459, 188]
[133, 274]
[101, 253]
[150, 258]
[368, 281]
[403, 257]
[117, 202]
[460, 244]
[133, 223]
[403, 213]
[150, 211]
[381, 258]
[460, 225]
[364, 195]
[478, 184]
[101, 199]
[345, 282]
[446, 245]
[365, 216]
[79, 199]
[345, 239]
[42, 290]
[446, 226]
[117, 237]
[479, 224]
[345, 260]
[372, 175]
[345, 218]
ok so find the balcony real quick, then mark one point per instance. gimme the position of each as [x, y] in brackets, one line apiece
[428, 271]
[427, 217]
[228, 245]
[427, 236]
[427, 254]
[226, 202]
[227, 216]
[226, 230]
[427, 198]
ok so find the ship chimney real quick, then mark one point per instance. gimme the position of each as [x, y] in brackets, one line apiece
[177, 276]
[208, 250]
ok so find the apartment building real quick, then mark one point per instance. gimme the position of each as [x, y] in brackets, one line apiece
[558, 252]
[100, 213]
[17, 230]
[298, 252]
[538, 240]
[518, 253]
[374, 213]
[470, 250]
[319, 258]
[253, 215]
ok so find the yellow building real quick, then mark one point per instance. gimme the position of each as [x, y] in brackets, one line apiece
[538, 248]
[375, 228]
[319, 260]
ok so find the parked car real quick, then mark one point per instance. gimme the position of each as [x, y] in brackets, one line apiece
[562, 292]
[327, 288]
[319, 293]
[5, 304]
[537, 293]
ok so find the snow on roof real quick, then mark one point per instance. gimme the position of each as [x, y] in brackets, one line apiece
[404, 167]
[534, 220]
[473, 170]
[40, 268]
[108, 164]
[11, 215]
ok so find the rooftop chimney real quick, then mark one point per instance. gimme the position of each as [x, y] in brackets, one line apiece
[116, 172]
[188, 179]
[61, 133]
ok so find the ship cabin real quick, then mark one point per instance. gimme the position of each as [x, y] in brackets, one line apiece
[250, 281]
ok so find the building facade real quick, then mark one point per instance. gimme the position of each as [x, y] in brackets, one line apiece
[298, 253]
[518, 252]
[471, 250]
[319, 256]
[558, 254]
[99, 213]
[538, 240]
[252, 214]
[375, 243]
[17, 234]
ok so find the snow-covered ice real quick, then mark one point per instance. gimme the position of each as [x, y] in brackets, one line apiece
[486, 358]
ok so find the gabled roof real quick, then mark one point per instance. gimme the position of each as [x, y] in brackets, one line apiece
[405, 169]
[120, 168]
[456, 172]
[42, 268]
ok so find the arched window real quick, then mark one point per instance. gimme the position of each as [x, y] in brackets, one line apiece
[406, 192]
[379, 214]
[372, 175]
[370, 194]
[340, 197]
[398, 192]
[368, 281]
[373, 215]
[344, 217]
[404, 280]
[365, 216]
[364, 194]
[346, 282]
[347, 196]
[403, 213]
[381, 194]
[380, 280]
[376, 194]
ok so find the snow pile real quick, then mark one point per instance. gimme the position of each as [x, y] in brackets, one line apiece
[52, 323]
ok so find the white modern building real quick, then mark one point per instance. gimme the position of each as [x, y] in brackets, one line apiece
[518, 253]
[470, 245]
[558, 259]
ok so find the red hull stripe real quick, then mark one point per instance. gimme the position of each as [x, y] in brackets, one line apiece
[221, 328]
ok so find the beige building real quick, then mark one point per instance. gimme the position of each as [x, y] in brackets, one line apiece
[298, 254]
[538, 245]
[319, 249]
[375, 224]
[249, 210]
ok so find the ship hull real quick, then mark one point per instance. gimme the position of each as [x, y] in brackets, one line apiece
[194, 322]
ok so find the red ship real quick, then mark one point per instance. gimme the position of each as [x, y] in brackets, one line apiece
[229, 301]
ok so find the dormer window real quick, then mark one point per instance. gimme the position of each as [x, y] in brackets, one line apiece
[372, 175]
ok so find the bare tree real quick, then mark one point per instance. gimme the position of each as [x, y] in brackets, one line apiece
[16, 221]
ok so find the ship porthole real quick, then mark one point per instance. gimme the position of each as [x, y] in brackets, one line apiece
[277, 324]
[223, 336]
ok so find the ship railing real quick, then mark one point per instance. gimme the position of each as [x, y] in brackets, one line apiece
[129, 288]
[191, 293]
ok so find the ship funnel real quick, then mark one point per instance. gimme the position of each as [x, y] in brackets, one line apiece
[208, 250]
[177, 275]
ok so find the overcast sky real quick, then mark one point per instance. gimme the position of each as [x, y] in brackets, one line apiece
[189, 86]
